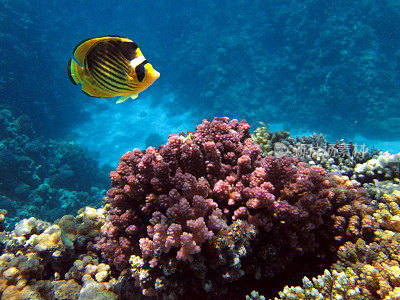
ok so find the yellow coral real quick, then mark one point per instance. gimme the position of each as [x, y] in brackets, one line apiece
[396, 194]
[20, 277]
[66, 289]
[90, 221]
[333, 285]
[49, 239]
[394, 295]
[394, 208]
[394, 274]
[266, 139]
[87, 223]
[388, 214]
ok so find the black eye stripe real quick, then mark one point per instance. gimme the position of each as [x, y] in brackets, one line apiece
[140, 71]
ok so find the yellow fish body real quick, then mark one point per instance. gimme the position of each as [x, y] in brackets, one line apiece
[111, 66]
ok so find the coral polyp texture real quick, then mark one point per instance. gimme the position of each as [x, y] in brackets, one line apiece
[204, 201]
[365, 269]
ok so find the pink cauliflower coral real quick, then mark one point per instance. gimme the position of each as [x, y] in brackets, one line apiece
[175, 199]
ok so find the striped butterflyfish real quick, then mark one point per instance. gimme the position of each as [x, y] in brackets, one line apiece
[111, 66]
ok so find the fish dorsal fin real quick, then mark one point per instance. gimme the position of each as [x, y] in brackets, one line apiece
[127, 49]
[84, 46]
[82, 49]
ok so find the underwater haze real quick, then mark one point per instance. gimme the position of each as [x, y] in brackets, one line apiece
[311, 66]
[327, 71]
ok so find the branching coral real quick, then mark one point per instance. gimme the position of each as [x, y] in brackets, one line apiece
[328, 286]
[184, 193]
[339, 157]
[266, 138]
[371, 263]
[375, 265]
[388, 214]
[353, 211]
[383, 166]
[178, 203]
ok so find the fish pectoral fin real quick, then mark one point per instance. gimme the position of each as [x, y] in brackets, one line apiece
[122, 99]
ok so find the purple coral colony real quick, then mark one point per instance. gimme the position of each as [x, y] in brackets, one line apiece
[210, 215]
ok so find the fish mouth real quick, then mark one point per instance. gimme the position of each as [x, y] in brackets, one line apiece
[155, 75]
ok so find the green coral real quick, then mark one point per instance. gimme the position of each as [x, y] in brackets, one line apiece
[266, 138]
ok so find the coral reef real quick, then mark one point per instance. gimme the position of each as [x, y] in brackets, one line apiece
[339, 157]
[364, 270]
[59, 176]
[207, 216]
[383, 166]
[328, 286]
[21, 277]
[267, 139]
[41, 260]
[320, 66]
[176, 206]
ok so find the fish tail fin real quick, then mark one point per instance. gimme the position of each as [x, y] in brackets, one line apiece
[75, 72]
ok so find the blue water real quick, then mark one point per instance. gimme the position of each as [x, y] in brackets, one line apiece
[304, 66]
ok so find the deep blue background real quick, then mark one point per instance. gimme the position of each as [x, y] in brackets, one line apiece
[330, 66]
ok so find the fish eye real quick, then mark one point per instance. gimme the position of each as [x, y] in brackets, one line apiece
[141, 71]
